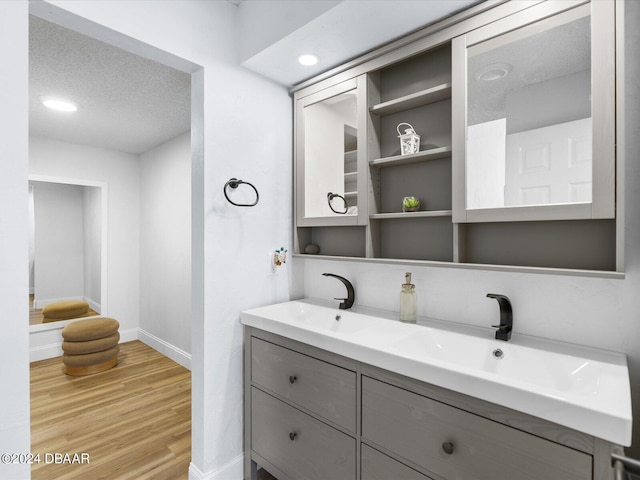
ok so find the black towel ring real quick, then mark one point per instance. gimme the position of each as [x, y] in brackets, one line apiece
[330, 197]
[233, 183]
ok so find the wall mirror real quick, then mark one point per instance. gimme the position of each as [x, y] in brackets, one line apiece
[66, 238]
[328, 149]
[532, 104]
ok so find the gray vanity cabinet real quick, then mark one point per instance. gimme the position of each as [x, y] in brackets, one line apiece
[300, 410]
[297, 443]
[457, 444]
[378, 466]
[300, 379]
[314, 415]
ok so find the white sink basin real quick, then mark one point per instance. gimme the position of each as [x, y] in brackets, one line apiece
[578, 387]
[312, 317]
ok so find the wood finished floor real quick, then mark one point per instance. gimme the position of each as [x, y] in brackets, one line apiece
[133, 420]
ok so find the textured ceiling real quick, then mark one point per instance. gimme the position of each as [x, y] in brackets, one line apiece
[131, 104]
[125, 102]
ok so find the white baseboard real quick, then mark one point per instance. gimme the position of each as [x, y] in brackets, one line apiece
[129, 335]
[231, 471]
[51, 333]
[46, 342]
[168, 350]
[41, 303]
[93, 305]
[195, 473]
[44, 352]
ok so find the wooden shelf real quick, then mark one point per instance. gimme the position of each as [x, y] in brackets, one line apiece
[418, 99]
[431, 154]
[407, 215]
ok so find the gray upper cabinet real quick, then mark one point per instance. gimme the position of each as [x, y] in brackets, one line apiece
[519, 108]
[329, 133]
[534, 103]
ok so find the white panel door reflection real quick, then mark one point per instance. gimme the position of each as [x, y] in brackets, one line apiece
[549, 165]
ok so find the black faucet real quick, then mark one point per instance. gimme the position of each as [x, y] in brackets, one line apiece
[351, 294]
[506, 317]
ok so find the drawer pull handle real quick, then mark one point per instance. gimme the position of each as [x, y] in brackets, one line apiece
[293, 379]
[447, 447]
[292, 436]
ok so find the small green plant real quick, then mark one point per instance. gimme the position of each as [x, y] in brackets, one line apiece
[410, 204]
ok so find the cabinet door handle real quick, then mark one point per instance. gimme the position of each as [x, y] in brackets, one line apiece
[448, 447]
[293, 379]
[292, 436]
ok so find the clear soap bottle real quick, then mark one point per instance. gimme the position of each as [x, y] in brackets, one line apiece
[408, 301]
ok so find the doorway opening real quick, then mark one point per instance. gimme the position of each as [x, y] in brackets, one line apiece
[140, 265]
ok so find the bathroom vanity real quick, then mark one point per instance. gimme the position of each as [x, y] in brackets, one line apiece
[515, 104]
[344, 395]
[519, 108]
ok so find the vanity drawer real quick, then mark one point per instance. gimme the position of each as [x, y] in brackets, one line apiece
[318, 386]
[378, 466]
[298, 444]
[419, 429]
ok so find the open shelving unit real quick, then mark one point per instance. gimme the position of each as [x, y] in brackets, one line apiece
[409, 215]
[415, 91]
[413, 100]
[424, 155]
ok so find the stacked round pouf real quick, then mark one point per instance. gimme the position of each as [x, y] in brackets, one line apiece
[64, 310]
[90, 346]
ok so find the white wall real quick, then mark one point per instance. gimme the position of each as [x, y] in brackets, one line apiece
[165, 248]
[92, 197]
[14, 125]
[245, 122]
[120, 172]
[602, 313]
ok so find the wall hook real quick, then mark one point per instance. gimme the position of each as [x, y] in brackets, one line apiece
[234, 183]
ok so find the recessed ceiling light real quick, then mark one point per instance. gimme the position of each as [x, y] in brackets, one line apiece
[492, 72]
[58, 104]
[308, 59]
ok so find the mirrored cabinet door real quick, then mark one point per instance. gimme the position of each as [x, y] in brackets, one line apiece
[535, 93]
[329, 137]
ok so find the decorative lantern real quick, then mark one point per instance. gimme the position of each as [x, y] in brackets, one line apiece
[409, 140]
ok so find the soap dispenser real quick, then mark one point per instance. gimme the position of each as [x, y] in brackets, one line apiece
[408, 301]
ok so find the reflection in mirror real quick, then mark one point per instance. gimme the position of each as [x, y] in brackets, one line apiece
[65, 245]
[529, 115]
[330, 153]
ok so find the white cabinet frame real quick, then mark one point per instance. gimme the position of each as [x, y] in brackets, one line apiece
[358, 84]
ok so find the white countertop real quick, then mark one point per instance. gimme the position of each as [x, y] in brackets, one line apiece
[581, 388]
